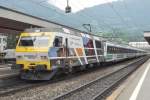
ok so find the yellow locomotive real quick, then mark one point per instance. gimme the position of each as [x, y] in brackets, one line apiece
[41, 53]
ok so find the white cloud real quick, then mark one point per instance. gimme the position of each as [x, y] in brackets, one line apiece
[78, 5]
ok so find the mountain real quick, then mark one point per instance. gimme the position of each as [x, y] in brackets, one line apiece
[126, 19]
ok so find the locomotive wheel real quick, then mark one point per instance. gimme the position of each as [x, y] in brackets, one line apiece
[34, 75]
[68, 69]
[83, 67]
[90, 66]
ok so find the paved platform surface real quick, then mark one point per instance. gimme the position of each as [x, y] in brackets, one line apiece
[136, 87]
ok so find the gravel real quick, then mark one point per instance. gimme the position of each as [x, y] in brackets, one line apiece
[52, 90]
[95, 87]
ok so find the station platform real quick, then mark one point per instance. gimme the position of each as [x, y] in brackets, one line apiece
[136, 87]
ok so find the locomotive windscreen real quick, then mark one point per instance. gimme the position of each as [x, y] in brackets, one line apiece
[36, 41]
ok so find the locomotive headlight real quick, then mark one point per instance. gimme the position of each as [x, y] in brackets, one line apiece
[44, 57]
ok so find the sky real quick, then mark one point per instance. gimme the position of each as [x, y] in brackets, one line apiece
[78, 5]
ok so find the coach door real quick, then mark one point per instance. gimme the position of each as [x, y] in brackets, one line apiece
[66, 49]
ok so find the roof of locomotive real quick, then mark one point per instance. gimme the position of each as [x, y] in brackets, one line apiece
[52, 29]
[65, 30]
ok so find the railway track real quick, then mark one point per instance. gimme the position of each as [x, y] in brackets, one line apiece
[16, 85]
[99, 88]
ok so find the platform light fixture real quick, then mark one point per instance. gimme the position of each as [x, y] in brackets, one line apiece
[68, 8]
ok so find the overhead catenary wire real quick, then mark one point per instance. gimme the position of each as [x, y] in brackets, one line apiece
[93, 14]
[89, 17]
[61, 13]
[55, 11]
[85, 16]
[118, 14]
[113, 29]
[127, 9]
[83, 13]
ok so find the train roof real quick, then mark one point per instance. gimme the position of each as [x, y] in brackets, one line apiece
[79, 33]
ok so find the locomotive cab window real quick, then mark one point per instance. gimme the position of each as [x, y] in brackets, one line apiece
[57, 42]
[87, 42]
[34, 41]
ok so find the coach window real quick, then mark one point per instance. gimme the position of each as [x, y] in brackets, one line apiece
[88, 43]
[120, 50]
[109, 49]
[127, 50]
[57, 42]
[89, 52]
[4, 39]
[116, 50]
[98, 44]
[113, 49]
